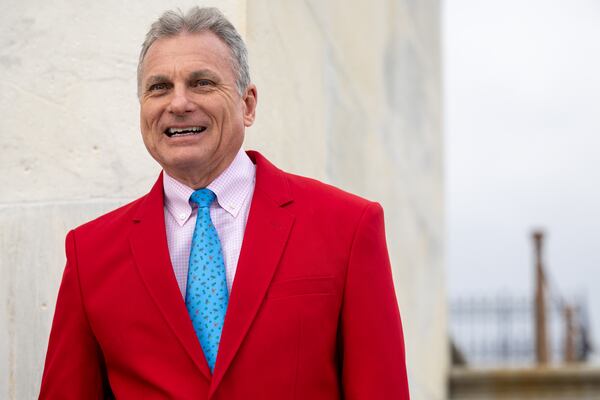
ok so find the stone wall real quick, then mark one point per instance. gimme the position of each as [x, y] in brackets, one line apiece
[570, 382]
[349, 93]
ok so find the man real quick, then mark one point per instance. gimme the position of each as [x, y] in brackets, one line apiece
[230, 279]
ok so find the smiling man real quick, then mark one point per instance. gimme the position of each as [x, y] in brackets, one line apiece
[230, 279]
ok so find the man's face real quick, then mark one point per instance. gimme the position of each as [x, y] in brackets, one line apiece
[192, 117]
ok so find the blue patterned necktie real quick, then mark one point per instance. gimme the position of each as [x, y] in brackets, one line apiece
[206, 294]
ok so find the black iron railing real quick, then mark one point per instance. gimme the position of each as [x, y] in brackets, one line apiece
[501, 330]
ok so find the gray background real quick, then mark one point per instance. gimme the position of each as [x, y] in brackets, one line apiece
[522, 136]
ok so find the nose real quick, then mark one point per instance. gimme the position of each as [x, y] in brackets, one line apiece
[180, 103]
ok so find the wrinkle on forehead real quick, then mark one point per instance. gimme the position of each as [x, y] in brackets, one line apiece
[179, 51]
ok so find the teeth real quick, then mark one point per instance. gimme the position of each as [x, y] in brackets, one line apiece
[188, 129]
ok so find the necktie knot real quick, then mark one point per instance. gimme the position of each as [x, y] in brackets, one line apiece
[203, 197]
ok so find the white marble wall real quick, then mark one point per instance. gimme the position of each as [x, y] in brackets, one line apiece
[349, 92]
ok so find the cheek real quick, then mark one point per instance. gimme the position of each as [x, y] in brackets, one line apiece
[149, 116]
[233, 117]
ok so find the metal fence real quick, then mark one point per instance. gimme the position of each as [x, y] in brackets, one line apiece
[501, 330]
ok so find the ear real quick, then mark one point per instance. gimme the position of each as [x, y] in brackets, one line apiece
[250, 99]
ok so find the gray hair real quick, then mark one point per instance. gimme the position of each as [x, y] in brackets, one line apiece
[173, 23]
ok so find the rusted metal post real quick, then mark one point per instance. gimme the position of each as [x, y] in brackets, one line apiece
[541, 336]
[569, 354]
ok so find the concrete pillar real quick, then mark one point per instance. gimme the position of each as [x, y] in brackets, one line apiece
[349, 92]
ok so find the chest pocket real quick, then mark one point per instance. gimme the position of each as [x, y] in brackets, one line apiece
[321, 285]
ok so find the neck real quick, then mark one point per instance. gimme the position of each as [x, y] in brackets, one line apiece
[198, 177]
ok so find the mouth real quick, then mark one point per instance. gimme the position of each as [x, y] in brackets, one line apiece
[185, 131]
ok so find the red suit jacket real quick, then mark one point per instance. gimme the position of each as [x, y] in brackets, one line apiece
[312, 313]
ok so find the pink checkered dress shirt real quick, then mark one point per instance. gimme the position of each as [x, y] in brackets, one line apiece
[234, 189]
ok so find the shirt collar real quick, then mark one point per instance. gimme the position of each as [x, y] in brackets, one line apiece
[231, 189]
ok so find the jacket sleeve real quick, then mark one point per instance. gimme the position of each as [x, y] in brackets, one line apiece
[74, 365]
[372, 344]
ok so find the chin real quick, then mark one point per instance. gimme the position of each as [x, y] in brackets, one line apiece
[182, 164]
[182, 157]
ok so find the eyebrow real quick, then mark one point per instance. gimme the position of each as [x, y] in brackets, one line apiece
[203, 74]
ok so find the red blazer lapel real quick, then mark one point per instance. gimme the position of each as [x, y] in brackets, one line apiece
[151, 254]
[267, 232]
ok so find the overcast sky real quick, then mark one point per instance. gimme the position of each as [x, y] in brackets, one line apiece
[522, 139]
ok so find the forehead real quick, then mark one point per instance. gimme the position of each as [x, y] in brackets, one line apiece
[188, 51]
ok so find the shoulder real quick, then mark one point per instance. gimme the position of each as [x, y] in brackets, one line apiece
[307, 195]
[327, 214]
[119, 221]
[331, 210]
[309, 190]
[111, 222]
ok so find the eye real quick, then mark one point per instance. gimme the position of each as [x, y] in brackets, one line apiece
[158, 86]
[202, 82]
